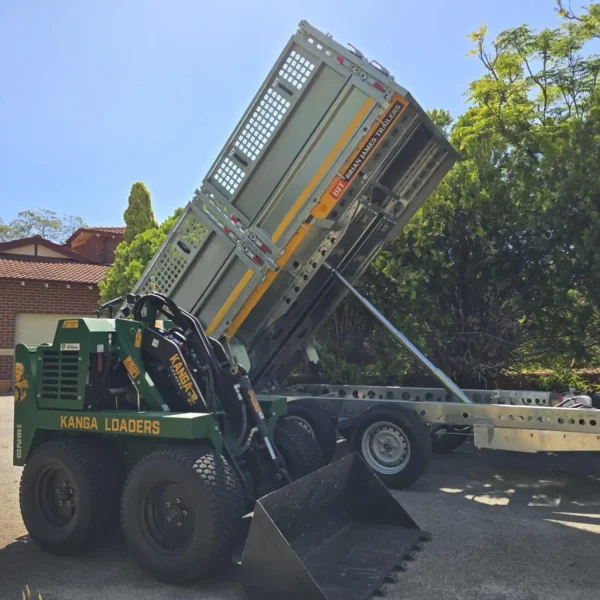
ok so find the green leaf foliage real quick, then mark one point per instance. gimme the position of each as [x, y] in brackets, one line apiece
[500, 268]
[138, 215]
[132, 258]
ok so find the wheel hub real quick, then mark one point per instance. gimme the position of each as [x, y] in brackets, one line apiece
[168, 518]
[386, 447]
[56, 496]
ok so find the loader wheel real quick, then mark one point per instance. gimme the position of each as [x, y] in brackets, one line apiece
[446, 438]
[318, 423]
[395, 443]
[181, 512]
[69, 495]
[298, 448]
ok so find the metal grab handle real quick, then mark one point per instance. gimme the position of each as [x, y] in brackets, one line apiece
[437, 373]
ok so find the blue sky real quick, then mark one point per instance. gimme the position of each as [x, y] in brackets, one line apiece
[95, 95]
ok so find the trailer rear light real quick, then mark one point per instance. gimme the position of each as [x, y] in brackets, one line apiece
[227, 230]
[265, 249]
[235, 220]
[378, 86]
[340, 59]
[257, 260]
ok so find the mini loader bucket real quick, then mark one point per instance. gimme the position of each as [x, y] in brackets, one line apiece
[336, 534]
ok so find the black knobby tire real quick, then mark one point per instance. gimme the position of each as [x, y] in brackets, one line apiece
[407, 436]
[204, 496]
[69, 494]
[298, 448]
[445, 444]
[318, 423]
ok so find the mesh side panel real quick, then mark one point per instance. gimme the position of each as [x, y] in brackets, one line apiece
[192, 231]
[60, 375]
[229, 175]
[261, 125]
[173, 260]
[296, 70]
[264, 119]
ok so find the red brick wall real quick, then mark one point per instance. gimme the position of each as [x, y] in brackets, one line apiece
[100, 248]
[34, 297]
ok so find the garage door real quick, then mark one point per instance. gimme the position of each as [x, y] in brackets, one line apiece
[33, 330]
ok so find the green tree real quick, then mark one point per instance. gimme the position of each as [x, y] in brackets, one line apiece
[138, 215]
[132, 258]
[500, 268]
[44, 222]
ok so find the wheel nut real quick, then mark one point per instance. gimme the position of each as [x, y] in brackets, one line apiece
[169, 519]
[178, 524]
[178, 501]
[168, 505]
[184, 513]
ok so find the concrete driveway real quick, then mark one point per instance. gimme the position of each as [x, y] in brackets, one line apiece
[505, 526]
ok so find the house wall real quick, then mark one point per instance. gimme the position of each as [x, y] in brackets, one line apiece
[35, 297]
[99, 248]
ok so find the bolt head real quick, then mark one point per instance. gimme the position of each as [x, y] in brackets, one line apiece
[168, 505]
[168, 519]
[178, 501]
[178, 524]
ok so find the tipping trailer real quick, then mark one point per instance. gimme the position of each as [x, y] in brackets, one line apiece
[327, 165]
[329, 162]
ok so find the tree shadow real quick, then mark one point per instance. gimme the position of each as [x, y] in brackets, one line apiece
[106, 572]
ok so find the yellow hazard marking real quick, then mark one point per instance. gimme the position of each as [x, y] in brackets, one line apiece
[21, 383]
[131, 367]
[325, 166]
[138, 338]
[71, 324]
[322, 209]
[184, 379]
[264, 285]
[113, 425]
[254, 401]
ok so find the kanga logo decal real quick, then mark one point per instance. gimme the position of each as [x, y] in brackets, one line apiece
[21, 383]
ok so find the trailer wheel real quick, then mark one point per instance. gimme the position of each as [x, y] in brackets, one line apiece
[318, 423]
[181, 512]
[446, 438]
[69, 494]
[298, 448]
[394, 442]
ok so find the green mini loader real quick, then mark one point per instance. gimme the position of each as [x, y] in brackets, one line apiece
[150, 417]
[147, 419]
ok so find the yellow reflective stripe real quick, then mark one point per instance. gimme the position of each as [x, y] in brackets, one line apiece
[257, 294]
[232, 298]
[296, 239]
[301, 200]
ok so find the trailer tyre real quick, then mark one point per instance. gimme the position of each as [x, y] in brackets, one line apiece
[69, 494]
[318, 423]
[395, 443]
[181, 513]
[298, 448]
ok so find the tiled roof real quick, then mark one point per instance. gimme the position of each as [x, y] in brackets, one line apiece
[107, 229]
[38, 239]
[13, 266]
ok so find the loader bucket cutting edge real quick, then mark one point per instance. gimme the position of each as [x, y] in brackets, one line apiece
[336, 534]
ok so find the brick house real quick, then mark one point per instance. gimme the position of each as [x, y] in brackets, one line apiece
[41, 282]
